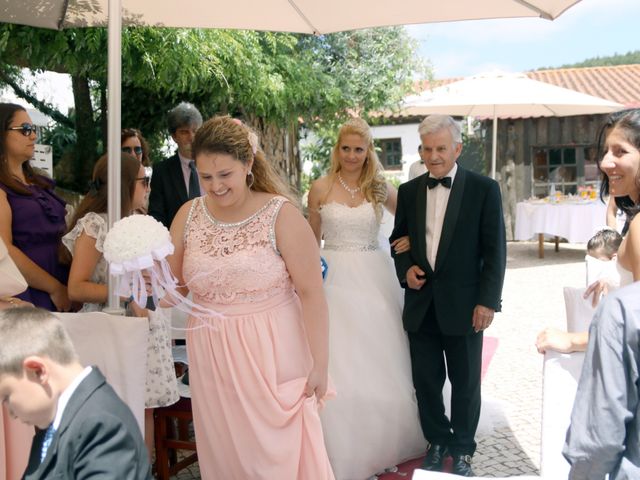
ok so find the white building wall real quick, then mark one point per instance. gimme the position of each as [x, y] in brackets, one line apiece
[408, 135]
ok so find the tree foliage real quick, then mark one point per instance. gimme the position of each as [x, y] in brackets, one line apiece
[628, 58]
[277, 78]
[371, 69]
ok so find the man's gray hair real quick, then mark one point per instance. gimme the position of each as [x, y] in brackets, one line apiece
[184, 115]
[435, 123]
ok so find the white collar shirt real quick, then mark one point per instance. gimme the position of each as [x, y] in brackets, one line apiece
[437, 199]
[186, 172]
[64, 398]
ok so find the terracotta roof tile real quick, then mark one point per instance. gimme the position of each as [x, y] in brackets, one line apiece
[620, 83]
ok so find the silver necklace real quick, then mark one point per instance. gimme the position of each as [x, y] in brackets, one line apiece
[352, 191]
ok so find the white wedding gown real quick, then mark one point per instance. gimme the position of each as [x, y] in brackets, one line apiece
[373, 422]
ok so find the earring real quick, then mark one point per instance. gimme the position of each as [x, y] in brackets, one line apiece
[250, 179]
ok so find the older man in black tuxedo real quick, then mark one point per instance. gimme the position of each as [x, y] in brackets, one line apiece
[453, 278]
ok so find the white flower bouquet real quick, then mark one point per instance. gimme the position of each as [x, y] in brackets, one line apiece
[137, 244]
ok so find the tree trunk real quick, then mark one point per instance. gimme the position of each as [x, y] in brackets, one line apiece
[280, 145]
[86, 150]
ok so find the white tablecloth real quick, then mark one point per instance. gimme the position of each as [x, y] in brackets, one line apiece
[577, 222]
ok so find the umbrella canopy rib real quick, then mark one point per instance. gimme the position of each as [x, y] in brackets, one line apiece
[303, 17]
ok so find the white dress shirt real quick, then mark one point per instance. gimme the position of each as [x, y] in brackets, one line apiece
[437, 199]
[186, 172]
[64, 398]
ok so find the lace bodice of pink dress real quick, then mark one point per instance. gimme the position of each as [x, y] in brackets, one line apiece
[231, 263]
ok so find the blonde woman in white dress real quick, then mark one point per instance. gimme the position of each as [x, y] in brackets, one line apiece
[373, 423]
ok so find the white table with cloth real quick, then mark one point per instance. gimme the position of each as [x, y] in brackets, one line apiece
[576, 220]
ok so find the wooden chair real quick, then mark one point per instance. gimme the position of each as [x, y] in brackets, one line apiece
[169, 439]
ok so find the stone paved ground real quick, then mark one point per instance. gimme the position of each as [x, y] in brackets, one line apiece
[532, 299]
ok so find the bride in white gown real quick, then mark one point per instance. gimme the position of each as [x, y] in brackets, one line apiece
[373, 423]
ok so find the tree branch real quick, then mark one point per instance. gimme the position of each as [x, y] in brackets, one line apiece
[39, 104]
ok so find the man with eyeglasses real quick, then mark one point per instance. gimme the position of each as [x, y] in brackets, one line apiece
[175, 179]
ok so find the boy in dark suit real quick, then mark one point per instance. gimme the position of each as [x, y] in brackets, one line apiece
[83, 430]
[453, 278]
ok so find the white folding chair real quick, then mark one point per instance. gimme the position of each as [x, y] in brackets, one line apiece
[579, 310]
[559, 384]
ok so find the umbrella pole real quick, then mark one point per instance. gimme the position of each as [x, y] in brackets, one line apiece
[114, 95]
[494, 145]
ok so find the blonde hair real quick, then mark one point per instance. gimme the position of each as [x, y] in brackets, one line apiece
[372, 183]
[27, 331]
[223, 134]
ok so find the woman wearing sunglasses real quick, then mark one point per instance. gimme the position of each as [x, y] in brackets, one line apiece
[134, 144]
[88, 228]
[88, 275]
[31, 214]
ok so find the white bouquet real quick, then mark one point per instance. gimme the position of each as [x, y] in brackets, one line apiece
[134, 242]
[137, 244]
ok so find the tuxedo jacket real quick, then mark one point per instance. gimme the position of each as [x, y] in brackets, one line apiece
[471, 256]
[168, 190]
[98, 437]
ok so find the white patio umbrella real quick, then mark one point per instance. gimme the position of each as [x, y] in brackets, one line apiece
[504, 95]
[302, 16]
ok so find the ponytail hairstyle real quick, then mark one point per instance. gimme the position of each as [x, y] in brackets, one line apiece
[372, 183]
[223, 134]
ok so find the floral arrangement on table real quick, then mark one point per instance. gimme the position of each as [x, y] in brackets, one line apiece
[587, 192]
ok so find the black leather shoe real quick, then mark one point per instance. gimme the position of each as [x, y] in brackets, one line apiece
[435, 457]
[462, 466]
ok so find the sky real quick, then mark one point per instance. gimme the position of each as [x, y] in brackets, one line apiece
[589, 29]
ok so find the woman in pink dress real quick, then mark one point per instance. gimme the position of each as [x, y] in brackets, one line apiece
[258, 373]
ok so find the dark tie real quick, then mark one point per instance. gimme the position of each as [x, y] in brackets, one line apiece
[433, 182]
[194, 184]
[46, 442]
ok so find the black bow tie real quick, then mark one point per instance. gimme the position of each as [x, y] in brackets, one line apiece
[433, 182]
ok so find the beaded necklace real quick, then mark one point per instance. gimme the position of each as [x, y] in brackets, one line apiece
[352, 191]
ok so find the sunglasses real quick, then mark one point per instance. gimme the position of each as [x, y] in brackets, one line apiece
[146, 181]
[132, 150]
[26, 129]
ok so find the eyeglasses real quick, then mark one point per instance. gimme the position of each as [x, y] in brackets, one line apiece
[26, 129]
[132, 150]
[146, 181]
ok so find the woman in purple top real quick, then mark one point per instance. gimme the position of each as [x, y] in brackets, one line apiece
[31, 214]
